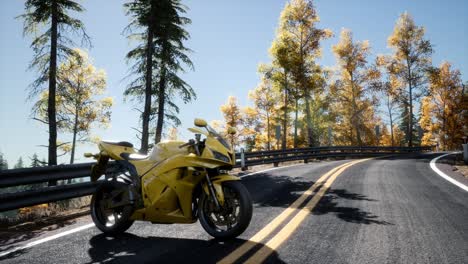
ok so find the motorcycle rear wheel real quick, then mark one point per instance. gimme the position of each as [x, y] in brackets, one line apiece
[111, 221]
[233, 217]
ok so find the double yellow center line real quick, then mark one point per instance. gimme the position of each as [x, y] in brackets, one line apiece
[325, 181]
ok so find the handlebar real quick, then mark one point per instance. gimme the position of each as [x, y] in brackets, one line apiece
[190, 143]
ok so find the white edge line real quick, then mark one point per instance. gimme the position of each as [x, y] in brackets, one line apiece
[270, 169]
[78, 229]
[445, 176]
[43, 240]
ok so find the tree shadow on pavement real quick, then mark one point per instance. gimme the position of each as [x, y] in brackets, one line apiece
[329, 204]
[275, 191]
[11, 236]
[282, 191]
[130, 248]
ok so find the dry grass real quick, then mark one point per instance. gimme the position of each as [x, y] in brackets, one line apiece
[43, 211]
[463, 169]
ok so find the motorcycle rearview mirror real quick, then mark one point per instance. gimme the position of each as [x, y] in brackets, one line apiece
[200, 122]
[231, 131]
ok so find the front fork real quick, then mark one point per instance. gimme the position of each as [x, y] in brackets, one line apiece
[214, 188]
[212, 191]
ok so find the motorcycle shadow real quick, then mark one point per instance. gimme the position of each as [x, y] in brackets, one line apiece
[130, 248]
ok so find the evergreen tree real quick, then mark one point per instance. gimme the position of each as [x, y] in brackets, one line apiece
[53, 17]
[3, 162]
[35, 161]
[19, 164]
[172, 56]
[158, 60]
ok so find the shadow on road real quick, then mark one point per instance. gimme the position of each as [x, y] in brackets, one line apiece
[129, 248]
[11, 236]
[275, 191]
[329, 204]
[282, 191]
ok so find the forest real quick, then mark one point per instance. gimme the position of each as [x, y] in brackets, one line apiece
[299, 103]
[397, 99]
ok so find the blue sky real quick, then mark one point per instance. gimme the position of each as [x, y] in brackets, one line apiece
[229, 39]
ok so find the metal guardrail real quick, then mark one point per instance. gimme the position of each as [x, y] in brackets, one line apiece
[30, 176]
[276, 156]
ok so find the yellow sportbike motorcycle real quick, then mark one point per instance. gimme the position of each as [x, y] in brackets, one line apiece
[177, 182]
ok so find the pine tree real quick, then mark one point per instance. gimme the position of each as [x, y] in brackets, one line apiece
[35, 161]
[53, 17]
[3, 162]
[19, 164]
[172, 56]
[157, 61]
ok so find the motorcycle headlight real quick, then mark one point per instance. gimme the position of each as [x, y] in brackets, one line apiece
[221, 157]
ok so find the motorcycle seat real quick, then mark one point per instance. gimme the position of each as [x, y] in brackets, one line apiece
[119, 143]
[133, 156]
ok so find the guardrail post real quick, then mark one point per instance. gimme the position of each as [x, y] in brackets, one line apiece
[465, 153]
[275, 164]
[243, 166]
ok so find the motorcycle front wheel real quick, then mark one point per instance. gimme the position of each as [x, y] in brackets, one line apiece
[111, 221]
[232, 218]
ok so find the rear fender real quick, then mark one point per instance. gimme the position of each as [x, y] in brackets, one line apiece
[217, 184]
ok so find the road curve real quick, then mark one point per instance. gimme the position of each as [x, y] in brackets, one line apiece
[388, 210]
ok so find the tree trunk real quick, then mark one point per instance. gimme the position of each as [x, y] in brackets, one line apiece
[75, 131]
[355, 117]
[444, 128]
[51, 111]
[389, 106]
[161, 102]
[268, 132]
[285, 115]
[148, 86]
[410, 126]
[391, 131]
[296, 110]
[310, 136]
[410, 121]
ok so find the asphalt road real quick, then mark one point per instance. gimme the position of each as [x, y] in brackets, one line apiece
[389, 210]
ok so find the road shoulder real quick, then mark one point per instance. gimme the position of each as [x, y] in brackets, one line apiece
[448, 166]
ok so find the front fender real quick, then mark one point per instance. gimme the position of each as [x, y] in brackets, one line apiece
[217, 184]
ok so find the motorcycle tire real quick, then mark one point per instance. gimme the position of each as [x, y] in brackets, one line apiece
[244, 213]
[120, 215]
